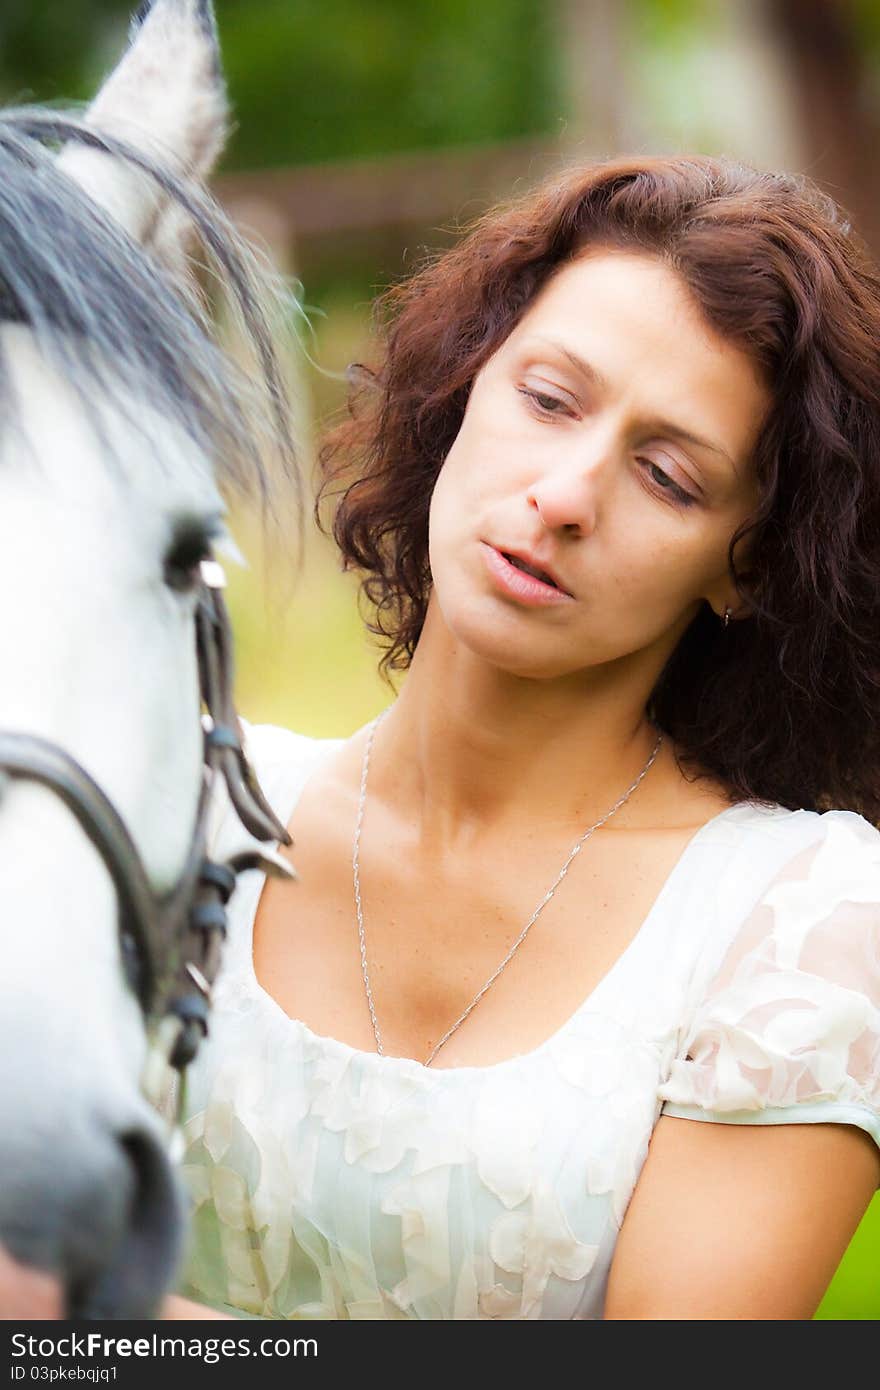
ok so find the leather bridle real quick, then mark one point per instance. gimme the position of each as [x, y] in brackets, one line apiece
[171, 943]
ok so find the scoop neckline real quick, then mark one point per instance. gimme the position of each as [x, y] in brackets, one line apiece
[387, 1062]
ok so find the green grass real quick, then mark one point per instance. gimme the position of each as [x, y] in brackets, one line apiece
[309, 667]
[854, 1292]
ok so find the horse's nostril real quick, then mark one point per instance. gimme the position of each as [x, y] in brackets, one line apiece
[142, 1266]
[97, 1212]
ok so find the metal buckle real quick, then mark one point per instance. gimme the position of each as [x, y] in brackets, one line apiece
[213, 574]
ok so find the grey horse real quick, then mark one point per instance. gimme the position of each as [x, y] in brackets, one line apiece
[124, 427]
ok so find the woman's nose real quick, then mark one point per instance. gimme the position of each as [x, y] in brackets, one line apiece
[565, 498]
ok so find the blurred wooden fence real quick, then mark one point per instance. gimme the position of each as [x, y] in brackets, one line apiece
[312, 210]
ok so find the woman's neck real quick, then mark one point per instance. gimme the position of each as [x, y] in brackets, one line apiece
[469, 749]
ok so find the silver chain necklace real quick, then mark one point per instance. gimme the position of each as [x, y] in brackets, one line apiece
[576, 849]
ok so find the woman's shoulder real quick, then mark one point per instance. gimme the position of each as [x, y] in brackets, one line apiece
[281, 760]
[833, 855]
[759, 865]
[835, 835]
[792, 875]
[783, 1013]
[823, 859]
[738, 852]
[274, 751]
[829, 859]
[751, 822]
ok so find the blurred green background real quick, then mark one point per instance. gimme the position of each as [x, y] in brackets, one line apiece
[370, 130]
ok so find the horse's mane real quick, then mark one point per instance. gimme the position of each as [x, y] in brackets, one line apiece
[105, 311]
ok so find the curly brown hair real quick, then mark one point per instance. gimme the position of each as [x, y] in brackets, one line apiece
[785, 706]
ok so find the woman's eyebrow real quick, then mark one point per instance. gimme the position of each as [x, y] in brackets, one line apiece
[595, 378]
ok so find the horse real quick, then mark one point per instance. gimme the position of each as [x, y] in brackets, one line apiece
[125, 428]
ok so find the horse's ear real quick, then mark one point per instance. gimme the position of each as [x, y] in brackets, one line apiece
[167, 98]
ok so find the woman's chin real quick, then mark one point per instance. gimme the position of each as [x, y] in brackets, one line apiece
[483, 628]
[513, 654]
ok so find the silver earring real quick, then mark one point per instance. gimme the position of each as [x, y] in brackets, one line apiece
[726, 616]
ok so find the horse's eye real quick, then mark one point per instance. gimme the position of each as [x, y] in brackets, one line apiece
[191, 545]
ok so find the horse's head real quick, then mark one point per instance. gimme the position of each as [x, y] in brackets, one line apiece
[120, 418]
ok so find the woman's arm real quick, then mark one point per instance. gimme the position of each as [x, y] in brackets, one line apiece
[30, 1293]
[737, 1221]
[27, 1293]
[176, 1307]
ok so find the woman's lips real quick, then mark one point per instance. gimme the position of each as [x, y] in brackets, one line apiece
[516, 584]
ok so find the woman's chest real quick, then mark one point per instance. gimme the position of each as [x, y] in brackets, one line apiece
[421, 940]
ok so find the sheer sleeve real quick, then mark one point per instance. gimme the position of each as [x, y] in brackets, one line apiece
[787, 1028]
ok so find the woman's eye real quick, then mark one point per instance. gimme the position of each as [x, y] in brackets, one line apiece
[666, 484]
[546, 406]
[181, 566]
[543, 403]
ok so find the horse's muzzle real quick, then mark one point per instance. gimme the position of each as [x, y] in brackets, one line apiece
[107, 1223]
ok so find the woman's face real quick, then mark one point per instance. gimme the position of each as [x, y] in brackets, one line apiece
[609, 441]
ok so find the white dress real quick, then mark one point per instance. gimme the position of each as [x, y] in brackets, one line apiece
[328, 1182]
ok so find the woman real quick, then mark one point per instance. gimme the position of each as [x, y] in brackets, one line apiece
[609, 865]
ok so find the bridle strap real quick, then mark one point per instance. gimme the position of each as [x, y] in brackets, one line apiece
[26, 757]
[216, 667]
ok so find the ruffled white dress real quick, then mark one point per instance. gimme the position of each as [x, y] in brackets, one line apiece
[332, 1183]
